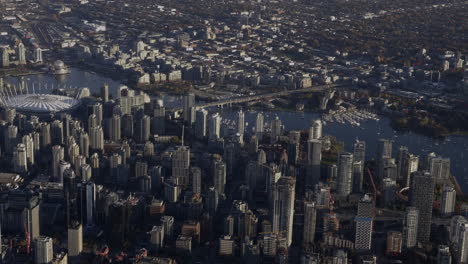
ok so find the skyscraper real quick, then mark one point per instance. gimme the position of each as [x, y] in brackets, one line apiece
[462, 245]
[38, 55]
[447, 201]
[127, 126]
[105, 92]
[189, 102]
[115, 128]
[422, 197]
[283, 193]
[314, 158]
[44, 250]
[409, 165]
[158, 122]
[360, 151]
[240, 122]
[315, 131]
[345, 174]
[58, 154]
[96, 138]
[5, 57]
[96, 109]
[56, 131]
[20, 161]
[310, 219]
[84, 144]
[44, 135]
[276, 129]
[359, 157]
[214, 130]
[259, 122]
[195, 173]
[181, 165]
[90, 202]
[443, 255]
[384, 148]
[200, 123]
[219, 175]
[439, 168]
[364, 223]
[143, 126]
[21, 54]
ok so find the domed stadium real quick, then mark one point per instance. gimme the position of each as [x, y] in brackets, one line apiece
[32, 103]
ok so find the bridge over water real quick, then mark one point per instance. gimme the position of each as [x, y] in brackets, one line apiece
[258, 97]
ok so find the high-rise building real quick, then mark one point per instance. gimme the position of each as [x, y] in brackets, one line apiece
[44, 250]
[394, 243]
[358, 176]
[189, 102]
[158, 121]
[127, 126]
[75, 241]
[20, 160]
[84, 144]
[410, 227]
[400, 161]
[447, 201]
[63, 166]
[276, 129]
[58, 154]
[96, 138]
[56, 131]
[70, 192]
[364, 223]
[44, 135]
[440, 168]
[168, 223]
[28, 142]
[96, 109]
[157, 237]
[455, 223]
[422, 197]
[38, 55]
[115, 128]
[315, 131]
[345, 174]
[314, 158]
[360, 151]
[143, 127]
[443, 255]
[200, 123]
[259, 122]
[384, 148]
[196, 180]
[462, 245]
[90, 202]
[105, 92]
[283, 207]
[21, 54]
[5, 57]
[310, 219]
[219, 175]
[240, 122]
[214, 131]
[409, 165]
[181, 165]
